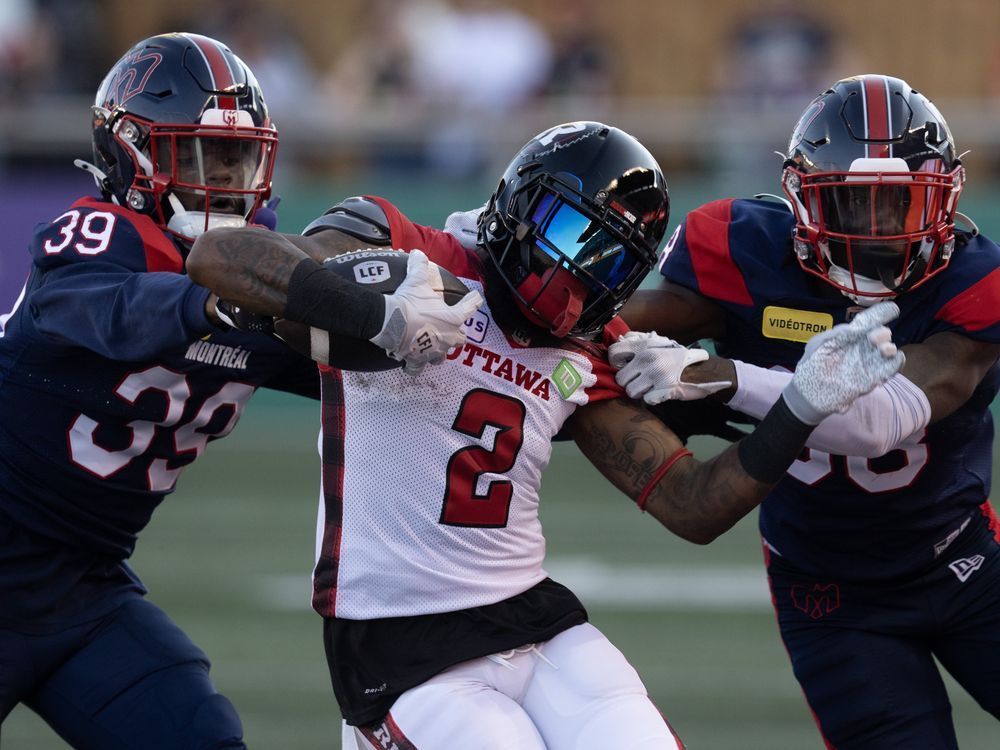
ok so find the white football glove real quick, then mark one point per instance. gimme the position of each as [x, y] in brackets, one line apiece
[650, 367]
[844, 363]
[419, 326]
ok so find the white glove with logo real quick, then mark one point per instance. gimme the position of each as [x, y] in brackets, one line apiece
[650, 367]
[843, 363]
[419, 326]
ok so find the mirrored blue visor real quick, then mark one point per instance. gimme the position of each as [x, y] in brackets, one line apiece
[564, 233]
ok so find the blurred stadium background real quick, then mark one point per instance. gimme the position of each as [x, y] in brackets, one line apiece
[424, 101]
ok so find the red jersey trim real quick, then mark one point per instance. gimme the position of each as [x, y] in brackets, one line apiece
[977, 307]
[707, 235]
[161, 252]
[606, 387]
[439, 246]
[326, 574]
[991, 517]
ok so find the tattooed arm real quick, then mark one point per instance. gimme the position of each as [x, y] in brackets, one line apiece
[697, 500]
[700, 500]
[251, 267]
[257, 273]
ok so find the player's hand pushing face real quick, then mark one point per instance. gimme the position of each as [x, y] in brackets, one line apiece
[843, 363]
[419, 326]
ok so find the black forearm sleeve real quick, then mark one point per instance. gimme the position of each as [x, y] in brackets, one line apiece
[318, 297]
[770, 449]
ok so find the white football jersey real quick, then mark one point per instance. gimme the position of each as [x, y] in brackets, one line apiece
[430, 483]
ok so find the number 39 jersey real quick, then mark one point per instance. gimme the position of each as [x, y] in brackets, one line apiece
[112, 380]
[850, 517]
[430, 483]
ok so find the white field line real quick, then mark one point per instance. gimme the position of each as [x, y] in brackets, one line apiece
[601, 584]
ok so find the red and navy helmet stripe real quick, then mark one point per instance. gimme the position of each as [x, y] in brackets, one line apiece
[219, 68]
[878, 116]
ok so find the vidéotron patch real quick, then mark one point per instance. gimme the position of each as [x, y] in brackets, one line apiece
[793, 325]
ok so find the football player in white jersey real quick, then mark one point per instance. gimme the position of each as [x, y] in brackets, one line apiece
[442, 628]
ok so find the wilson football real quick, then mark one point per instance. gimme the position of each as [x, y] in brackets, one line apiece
[382, 270]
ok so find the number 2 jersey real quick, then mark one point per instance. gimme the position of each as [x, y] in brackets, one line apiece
[112, 381]
[429, 546]
[430, 484]
[848, 516]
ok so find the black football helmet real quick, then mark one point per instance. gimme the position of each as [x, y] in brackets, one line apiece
[182, 133]
[874, 182]
[575, 225]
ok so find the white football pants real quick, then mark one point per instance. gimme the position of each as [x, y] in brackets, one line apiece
[573, 692]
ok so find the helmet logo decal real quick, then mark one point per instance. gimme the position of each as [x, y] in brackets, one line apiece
[562, 136]
[550, 135]
[132, 80]
[230, 117]
[804, 122]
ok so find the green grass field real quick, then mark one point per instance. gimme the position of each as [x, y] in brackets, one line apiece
[229, 555]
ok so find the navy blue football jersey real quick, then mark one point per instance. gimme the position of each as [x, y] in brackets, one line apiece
[112, 379]
[850, 516]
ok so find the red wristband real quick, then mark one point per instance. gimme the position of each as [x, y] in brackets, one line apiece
[660, 473]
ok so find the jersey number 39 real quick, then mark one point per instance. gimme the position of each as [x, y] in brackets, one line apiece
[188, 438]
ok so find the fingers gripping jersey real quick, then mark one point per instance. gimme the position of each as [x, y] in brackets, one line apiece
[849, 516]
[430, 484]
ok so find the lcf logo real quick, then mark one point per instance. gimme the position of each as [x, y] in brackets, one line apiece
[371, 271]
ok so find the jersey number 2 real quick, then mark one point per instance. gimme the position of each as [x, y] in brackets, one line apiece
[462, 506]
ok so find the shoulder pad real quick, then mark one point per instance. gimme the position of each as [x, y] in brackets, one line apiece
[361, 218]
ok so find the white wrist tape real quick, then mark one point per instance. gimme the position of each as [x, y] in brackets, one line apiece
[875, 424]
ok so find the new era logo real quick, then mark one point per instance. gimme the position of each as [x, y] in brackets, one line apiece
[966, 566]
[817, 600]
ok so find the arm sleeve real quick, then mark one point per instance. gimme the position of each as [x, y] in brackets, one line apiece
[874, 425]
[119, 314]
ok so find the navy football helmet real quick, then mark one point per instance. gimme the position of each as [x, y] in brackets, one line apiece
[874, 182]
[575, 225]
[181, 133]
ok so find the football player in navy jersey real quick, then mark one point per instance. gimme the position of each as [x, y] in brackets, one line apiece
[116, 370]
[441, 626]
[882, 550]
